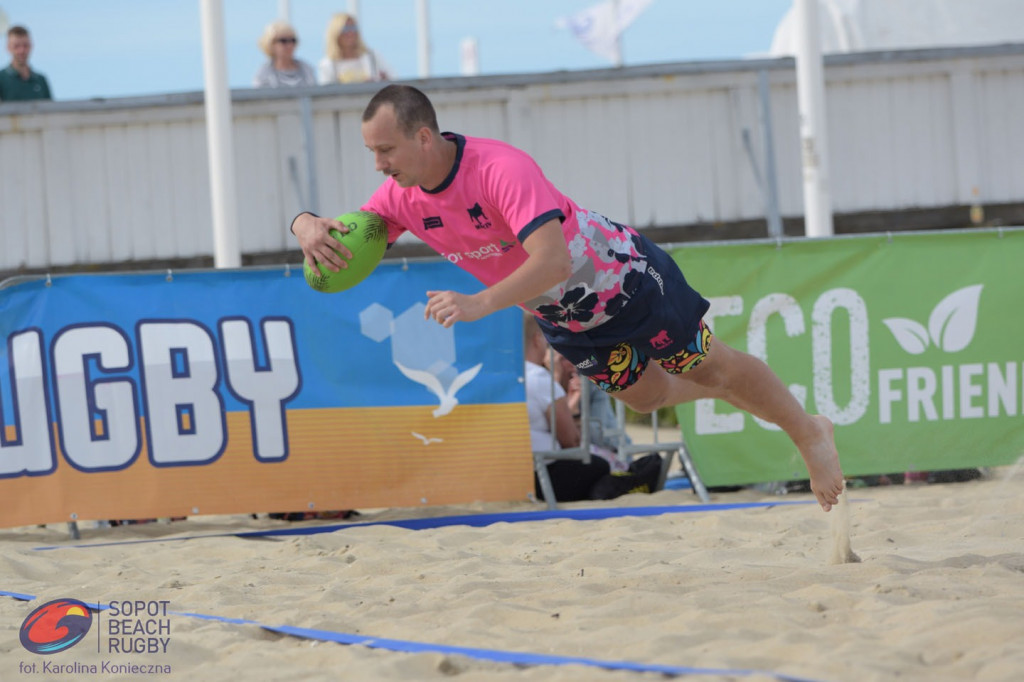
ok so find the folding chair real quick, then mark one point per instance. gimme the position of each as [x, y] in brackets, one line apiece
[580, 453]
[625, 450]
[667, 449]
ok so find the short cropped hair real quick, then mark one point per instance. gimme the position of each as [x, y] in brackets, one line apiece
[271, 32]
[17, 31]
[413, 109]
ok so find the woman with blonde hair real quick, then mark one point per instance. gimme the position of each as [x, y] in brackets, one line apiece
[347, 59]
[283, 70]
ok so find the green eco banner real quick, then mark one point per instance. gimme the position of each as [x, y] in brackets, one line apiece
[910, 343]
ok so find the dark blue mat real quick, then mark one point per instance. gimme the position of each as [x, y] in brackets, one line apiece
[474, 520]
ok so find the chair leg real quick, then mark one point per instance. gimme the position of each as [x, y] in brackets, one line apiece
[666, 464]
[691, 473]
[545, 482]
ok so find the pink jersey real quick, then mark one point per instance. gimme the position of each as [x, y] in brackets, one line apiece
[494, 198]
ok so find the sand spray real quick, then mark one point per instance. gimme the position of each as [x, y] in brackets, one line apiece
[842, 553]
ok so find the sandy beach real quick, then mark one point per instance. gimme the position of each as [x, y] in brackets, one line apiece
[726, 593]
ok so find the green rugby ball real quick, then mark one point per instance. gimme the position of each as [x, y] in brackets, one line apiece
[367, 239]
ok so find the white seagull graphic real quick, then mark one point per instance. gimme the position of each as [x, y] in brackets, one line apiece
[433, 384]
[427, 441]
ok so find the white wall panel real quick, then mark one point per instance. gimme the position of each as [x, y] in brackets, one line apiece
[191, 221]
[30, 192]
[1000, 141]
[328, 159]
[654, 146]
[673, 171]
[121, 195]
[161, 178]
[58, 187]
[259, 166]
[24, 226]
[889, 143]
[89, 230]
[580, 145]
[359, 178]
[747, 196]
[15, 234]
[291, 200]
[478, 118]
[786, 131]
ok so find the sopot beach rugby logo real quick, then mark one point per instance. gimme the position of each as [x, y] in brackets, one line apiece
[56, 626]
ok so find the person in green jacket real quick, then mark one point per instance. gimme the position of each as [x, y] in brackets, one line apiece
[18, 82]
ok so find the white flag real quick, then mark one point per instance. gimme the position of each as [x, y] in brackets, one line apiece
[599, 26]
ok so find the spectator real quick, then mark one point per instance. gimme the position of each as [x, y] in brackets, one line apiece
[571, 479]
[18, 82]
[283, 70]
[604, 424]
[347, 59]
[643, 474]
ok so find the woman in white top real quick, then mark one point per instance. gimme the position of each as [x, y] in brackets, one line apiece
[348, 60]
[283, 70]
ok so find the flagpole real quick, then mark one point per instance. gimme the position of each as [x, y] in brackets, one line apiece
[217, 105]
[617, 54]
[810, 87]
[423, 36]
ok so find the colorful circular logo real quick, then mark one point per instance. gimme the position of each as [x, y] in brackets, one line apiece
[56, 626]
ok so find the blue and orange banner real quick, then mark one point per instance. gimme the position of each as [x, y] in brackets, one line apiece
[175, 394]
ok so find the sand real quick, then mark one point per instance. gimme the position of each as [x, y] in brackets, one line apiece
[938, 593]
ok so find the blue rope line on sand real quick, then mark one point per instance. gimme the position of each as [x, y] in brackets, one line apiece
[496, 655]
[474, 520]
[17, 595]
[95, 606]
[517, 657]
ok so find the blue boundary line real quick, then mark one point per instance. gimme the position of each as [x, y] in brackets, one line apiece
[473, 520]
[495, 655]
[516, 657]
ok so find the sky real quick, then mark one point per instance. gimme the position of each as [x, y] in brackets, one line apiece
[125, 48]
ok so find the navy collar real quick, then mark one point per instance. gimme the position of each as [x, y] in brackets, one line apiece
[460, 146]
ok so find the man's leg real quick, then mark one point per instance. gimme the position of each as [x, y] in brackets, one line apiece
[747, 383]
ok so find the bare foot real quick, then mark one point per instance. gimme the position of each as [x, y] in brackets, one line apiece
[822, 460]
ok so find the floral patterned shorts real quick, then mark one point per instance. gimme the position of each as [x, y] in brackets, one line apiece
[626, 362]
[663, 321]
